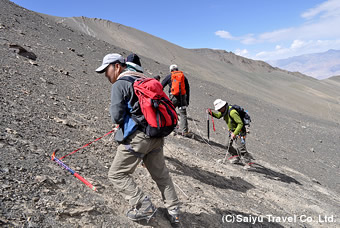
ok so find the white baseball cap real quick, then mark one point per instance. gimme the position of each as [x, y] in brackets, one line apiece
[173, 67]
[218, 103]
[108, 59]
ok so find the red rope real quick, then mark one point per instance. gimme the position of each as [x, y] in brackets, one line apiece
[235, 156]
[212, 119]
[87, 144]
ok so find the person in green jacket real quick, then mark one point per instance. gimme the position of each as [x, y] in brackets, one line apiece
[237, 132]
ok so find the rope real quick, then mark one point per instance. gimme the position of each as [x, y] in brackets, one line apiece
[181, 190]
[205, 141]
[174, 181]
[88, 144]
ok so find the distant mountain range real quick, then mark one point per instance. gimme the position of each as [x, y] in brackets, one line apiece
[317, 65]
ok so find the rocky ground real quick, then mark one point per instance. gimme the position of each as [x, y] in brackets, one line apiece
[51, 98]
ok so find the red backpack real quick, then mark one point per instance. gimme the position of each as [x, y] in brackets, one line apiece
[155, 105]
[177, 83]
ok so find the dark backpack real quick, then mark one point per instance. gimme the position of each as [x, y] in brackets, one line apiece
[158, 110]
[243, 114]
[177, 83]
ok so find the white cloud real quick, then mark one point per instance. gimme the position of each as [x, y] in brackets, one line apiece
[243, 52]
[318, 33]
[324, 27]
[274, 36]
[224, 34]
[297, 44]
[266, 55]
[261, 54]
[327, 9]
[299, 47]
[246, 39]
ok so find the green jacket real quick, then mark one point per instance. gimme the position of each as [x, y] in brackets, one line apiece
[235, 123]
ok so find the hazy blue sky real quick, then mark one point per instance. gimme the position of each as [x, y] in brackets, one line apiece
[257, 29]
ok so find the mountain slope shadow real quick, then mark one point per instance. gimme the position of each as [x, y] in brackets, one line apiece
[209, 178]
[273, 175]
[217, 218]
[200, 139]
[193, 119]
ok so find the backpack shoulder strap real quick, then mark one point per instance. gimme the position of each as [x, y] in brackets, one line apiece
[128, 78]
[229, 111]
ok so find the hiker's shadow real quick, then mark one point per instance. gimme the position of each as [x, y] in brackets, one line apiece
[200, 139]
[213, 179]
[192, 119]
[273, 175]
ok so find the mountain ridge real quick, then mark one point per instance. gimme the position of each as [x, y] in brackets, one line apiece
[233, 59]
[254, 78]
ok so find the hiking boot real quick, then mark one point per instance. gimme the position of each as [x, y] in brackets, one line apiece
[143, 211]
[234, 159]
[247, 166]
[173, 216]
[247, 158]
[187, 134]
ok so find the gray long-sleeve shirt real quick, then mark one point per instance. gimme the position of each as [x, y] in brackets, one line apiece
[124, 108]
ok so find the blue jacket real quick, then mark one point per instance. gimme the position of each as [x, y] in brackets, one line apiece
[125, 109]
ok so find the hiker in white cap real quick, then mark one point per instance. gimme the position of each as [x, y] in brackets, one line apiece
[237, 131]
[134, 144]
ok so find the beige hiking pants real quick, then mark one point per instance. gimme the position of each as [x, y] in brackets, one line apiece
[239, 148]
[182, 105]
[139, 146]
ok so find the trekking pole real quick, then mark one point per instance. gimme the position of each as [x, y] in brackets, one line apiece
[230, 143]
[208, 129]
[53, 158]
[239, 154]
[82, 179]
